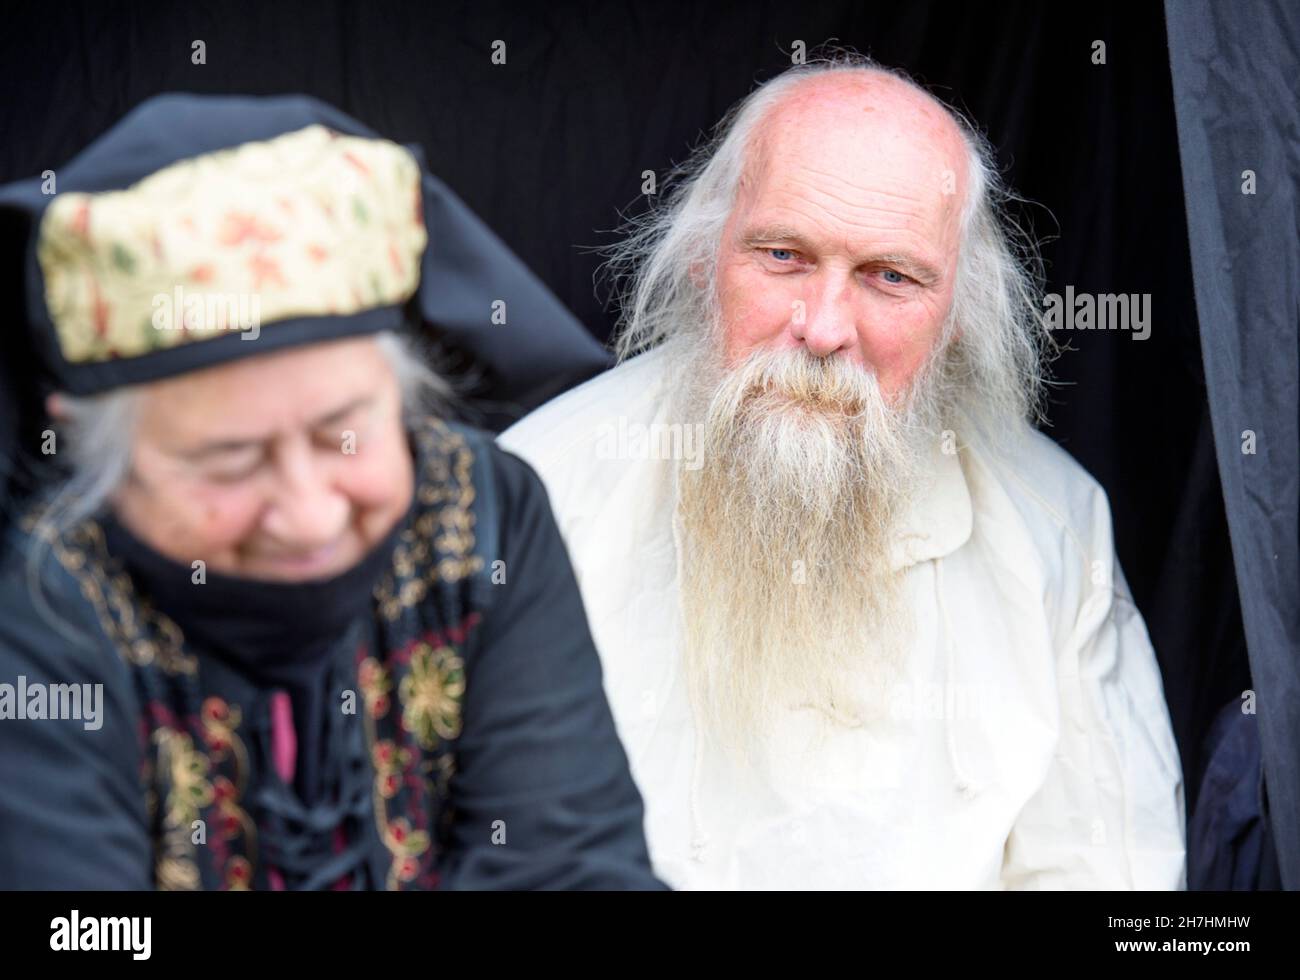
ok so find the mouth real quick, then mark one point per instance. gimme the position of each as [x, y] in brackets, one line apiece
[809, 400]
[316, 563]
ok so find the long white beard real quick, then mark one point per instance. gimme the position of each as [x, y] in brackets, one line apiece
[788, 594]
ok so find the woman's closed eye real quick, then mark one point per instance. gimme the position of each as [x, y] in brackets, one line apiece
[344, 432]
[234, 465]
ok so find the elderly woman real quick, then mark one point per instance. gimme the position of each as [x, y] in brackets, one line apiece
[279, 627]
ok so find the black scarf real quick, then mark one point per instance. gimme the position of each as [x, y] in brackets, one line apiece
[274, 633]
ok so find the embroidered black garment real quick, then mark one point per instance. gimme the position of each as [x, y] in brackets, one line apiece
[472, 745]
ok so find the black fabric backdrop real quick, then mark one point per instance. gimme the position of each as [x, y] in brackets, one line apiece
[1238, 108]
[549, 147]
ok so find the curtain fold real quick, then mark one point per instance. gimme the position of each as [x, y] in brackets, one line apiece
[1236, 81]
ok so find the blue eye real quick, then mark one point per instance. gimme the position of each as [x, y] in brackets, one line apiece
[899, 280]
[781, 254]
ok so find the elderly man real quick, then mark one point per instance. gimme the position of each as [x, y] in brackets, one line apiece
[281, 627]
[862, 626]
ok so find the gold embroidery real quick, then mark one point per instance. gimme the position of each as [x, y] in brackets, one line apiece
[376, 686]
[407, 845]
[187, 789]
[141, 634]
[439, 546]
[176, 874]
[431, 694]
[220, 723]
[190, 789]
[147, 637]
[390, 762]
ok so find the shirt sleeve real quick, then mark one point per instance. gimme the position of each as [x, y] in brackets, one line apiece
[72, 812]
[1110, 814]
[542, 796]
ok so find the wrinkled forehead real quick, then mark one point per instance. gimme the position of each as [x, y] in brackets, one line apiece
[875, 154]
[256, 397]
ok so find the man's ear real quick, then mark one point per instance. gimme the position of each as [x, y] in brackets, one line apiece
[55, 407]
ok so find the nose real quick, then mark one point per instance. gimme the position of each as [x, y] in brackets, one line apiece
[825, 324]
[307, 511]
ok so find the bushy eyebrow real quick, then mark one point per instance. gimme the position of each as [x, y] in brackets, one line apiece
[780, 235]
[217, 447]
[766, 234]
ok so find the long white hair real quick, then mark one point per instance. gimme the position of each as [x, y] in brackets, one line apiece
[664, 267]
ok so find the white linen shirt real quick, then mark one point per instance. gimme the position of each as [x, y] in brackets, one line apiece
[1027, 744]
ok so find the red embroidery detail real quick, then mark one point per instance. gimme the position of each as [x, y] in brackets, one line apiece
[350, 158]
[239, 227]
[264, 269]
[101, 311]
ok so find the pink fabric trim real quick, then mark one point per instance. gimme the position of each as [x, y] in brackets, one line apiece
[284, 743]
[284, 753]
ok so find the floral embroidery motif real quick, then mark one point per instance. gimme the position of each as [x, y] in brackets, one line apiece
[239, 874]
[408, 846]
[220, 724]
[431, 694]
[200, 798]
[376, 686]
[391, 762]
[190, 790]
[412, 748]
[187, 791]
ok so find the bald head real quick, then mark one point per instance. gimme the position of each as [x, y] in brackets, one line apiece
[844, 212]
[844, 113]
[844, 234]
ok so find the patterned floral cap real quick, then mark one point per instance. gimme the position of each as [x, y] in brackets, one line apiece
[309, 224]
[201, 229]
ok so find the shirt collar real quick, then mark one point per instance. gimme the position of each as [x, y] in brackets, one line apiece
[938, 519]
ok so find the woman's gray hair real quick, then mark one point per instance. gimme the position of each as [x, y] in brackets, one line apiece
[664, 268]
[97, 432]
